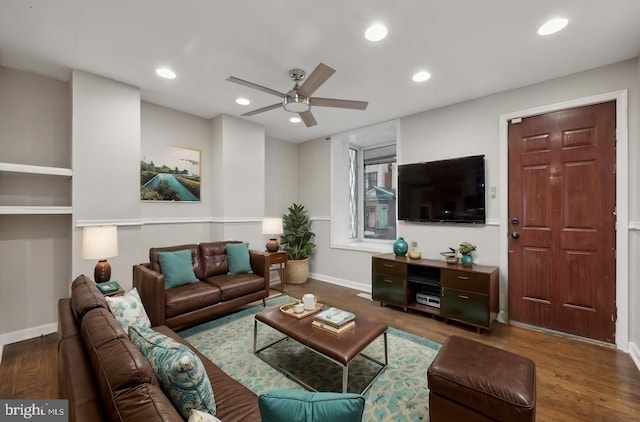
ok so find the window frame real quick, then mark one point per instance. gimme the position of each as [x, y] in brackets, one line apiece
[378, 135]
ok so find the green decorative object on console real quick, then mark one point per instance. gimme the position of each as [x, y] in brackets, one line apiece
[466, 249]
[467, 260]
[400, 247]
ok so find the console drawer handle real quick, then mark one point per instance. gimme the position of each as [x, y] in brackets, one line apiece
[463, 297]
[387, 280]
[388, 265]
[463, 277]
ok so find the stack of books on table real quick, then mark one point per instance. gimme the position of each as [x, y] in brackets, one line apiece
[334, 320]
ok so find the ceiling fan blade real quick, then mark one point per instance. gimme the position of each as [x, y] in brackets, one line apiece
[262, 110]
[332, 102]
[255, 86]
[319, 76]
[308, 118]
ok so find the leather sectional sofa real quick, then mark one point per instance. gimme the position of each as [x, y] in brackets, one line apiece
[105, 377]
[217, 293]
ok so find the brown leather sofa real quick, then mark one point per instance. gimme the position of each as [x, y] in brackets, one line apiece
[106, 378]
[216, 294]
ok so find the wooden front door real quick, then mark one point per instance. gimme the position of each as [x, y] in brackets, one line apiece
[562, 187]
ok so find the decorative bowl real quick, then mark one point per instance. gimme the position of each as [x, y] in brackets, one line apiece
[414, 254]
[450, 257]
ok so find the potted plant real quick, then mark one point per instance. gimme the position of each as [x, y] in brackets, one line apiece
[465, 249]
[296, 241]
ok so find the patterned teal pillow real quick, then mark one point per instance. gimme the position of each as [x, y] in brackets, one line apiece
[238, 258]
[128, 310]
[177, 268]
[181, 373]
[278, 406]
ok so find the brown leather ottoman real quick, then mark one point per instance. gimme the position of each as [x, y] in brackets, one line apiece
[470, 381]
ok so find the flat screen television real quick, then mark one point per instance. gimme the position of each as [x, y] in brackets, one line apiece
[446, 191]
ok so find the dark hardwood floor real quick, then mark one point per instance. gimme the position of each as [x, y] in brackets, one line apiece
[576, 380]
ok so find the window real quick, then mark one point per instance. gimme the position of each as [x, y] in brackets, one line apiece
[363, 187]
[379, 205]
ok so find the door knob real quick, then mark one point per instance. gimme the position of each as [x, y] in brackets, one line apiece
[515, 235]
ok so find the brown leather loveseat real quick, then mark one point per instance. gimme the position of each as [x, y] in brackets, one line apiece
[105, 377]
[217, 293]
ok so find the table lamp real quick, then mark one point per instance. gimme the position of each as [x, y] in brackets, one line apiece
[272, 227]
[100, 242]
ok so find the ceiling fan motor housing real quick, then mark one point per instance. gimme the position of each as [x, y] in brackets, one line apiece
[297, 75]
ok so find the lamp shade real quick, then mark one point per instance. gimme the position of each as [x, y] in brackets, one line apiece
[99, 242]
[272, 226]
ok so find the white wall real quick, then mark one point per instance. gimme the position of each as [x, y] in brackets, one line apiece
[281, 176]
[105, 132]
[239, 159]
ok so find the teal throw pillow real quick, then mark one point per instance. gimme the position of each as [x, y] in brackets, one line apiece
[238, 258]
[177, 268]
[181, 373]
[278, 406]
[128, 310]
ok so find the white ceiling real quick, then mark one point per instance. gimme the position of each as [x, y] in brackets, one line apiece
[471, 47]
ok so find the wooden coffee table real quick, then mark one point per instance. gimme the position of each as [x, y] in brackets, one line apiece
[341, 350]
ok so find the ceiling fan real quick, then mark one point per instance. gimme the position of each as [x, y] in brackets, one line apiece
[299, 99]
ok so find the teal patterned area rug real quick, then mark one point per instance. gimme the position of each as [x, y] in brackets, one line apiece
[399, 394]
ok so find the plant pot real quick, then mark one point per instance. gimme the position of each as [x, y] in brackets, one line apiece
[296, 271]
[467, 260]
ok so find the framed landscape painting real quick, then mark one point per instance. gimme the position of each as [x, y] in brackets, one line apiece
[170, 174]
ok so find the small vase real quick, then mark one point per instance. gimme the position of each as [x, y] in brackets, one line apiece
[400, 247]
[467, 260]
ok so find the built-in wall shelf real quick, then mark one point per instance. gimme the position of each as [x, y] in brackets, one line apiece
[25, 168]
[35, 209]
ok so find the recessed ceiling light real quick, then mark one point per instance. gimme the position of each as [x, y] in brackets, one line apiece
[295, 120]
[376, 32]
[421, 76]
[552, 26]
[166, 73]
[243, 101]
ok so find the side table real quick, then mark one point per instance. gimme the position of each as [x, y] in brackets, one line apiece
[278, 258]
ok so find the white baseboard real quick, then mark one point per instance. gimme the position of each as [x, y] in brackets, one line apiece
[634, 351]
[27, 333]
[341, 282]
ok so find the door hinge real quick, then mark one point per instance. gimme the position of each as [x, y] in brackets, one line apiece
[516, 120]
[614, 316]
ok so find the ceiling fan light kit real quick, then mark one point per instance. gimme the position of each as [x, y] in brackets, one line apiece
[295, 103]
[299, 100]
